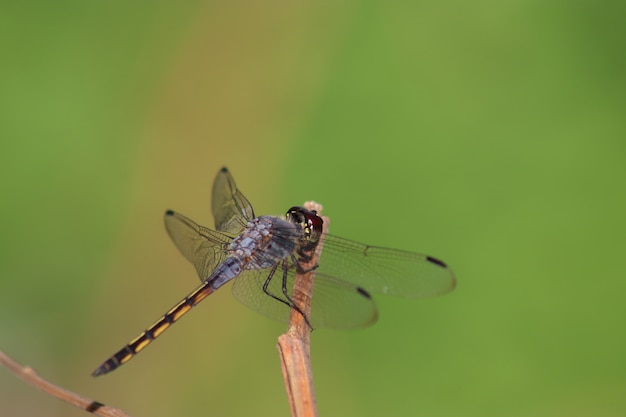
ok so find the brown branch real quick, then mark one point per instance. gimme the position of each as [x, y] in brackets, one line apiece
[31, 377]
[294, 346]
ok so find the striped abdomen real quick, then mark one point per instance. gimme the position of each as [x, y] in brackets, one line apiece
[154, 331]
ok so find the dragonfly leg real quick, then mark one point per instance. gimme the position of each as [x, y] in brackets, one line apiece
[289, 301]
[306, 257]
[286, 294]
[299, 267]
[267, 291]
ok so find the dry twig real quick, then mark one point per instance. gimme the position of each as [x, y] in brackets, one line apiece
[31, 377]
[294, 346]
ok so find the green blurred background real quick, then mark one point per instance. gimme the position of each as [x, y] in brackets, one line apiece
[489, 134]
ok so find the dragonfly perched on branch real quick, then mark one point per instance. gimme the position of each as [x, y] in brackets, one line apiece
[262, 255]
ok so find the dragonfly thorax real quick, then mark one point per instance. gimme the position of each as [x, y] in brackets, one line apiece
[266, 241]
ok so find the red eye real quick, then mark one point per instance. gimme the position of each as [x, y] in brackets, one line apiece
[315, 222]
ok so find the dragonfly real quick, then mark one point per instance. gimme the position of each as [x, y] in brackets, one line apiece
[262, 255]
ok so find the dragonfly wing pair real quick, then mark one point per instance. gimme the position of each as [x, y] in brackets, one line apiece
[348, 271]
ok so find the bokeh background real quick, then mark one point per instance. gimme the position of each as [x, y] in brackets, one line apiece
[489, 134]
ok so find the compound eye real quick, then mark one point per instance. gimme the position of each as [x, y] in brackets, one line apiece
[296, 215]
[314, 222]
[308, 219]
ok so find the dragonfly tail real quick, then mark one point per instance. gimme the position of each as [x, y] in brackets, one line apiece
[144, 339]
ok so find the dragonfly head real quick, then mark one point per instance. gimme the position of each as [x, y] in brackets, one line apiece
[309, 222]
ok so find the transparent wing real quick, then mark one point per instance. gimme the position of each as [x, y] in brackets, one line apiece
[204, 248]
[231, 210]
[335, 303]
[385, 271]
